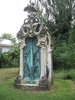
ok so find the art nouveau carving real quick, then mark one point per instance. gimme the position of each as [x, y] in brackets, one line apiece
[35, 52]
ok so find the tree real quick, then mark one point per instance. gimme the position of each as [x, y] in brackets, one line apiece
[58, 15]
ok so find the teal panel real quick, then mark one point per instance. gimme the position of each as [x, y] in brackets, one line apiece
[31, 58]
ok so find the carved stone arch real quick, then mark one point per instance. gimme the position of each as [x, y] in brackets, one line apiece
[49, 38]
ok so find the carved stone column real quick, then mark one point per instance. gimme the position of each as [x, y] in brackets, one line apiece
[21, 58]
[43, 60]
[21, 63]
[50, 66]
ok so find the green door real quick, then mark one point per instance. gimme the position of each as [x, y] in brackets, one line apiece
[31, 59]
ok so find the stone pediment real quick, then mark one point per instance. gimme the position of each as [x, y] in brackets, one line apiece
[32, 25]
[30, 30]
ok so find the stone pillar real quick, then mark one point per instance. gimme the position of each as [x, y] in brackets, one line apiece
[43, 61]
[21, 63]
[50, 66]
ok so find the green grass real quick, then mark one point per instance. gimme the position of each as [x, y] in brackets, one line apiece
[65, 74]
[61, 89]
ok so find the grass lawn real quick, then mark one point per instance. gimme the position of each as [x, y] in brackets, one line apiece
[61, 89]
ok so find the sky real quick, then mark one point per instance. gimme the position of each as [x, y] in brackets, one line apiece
[12, 15]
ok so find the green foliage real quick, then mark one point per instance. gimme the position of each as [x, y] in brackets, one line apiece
[72, 35]
[10, 58]
[64, 55]
[64, 52]
[68, 74]
[4, 60]
[14, 56]
[58, 16]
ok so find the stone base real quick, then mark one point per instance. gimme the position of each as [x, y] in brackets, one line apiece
[43, 85]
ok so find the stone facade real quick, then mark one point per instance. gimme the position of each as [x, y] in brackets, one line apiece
[39, 75]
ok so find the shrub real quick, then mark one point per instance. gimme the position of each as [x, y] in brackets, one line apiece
[65, 74]
[64, 55]
[11, 58]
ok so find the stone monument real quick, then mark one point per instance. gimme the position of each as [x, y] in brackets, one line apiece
[35, 53]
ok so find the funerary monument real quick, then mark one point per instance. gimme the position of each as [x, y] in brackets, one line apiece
[35, 71]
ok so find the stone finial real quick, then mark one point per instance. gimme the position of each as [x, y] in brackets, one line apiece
[30, 8]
